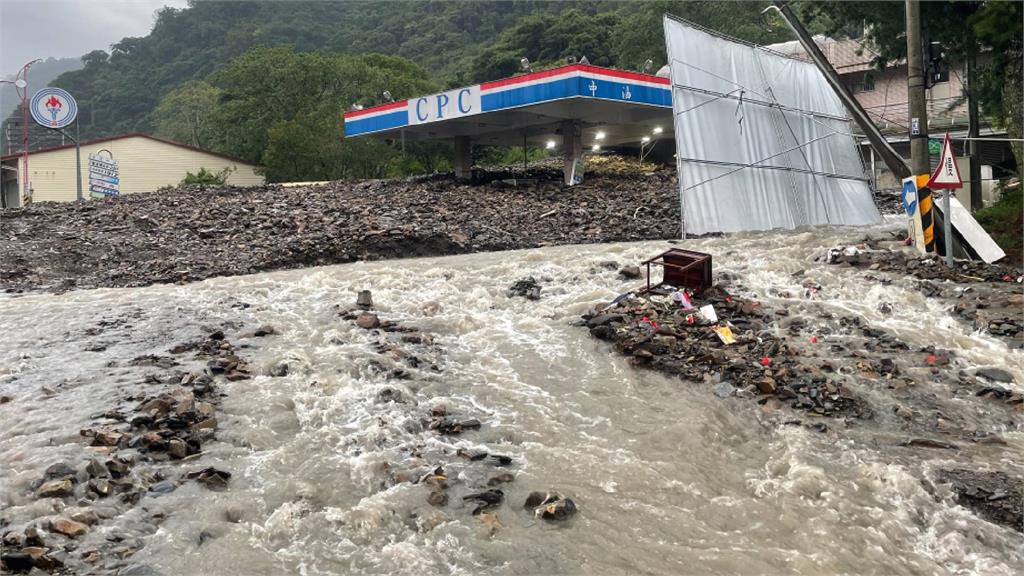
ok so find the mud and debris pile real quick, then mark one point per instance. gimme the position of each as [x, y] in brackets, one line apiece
[725, 340]
[989, 297]
[196, 232]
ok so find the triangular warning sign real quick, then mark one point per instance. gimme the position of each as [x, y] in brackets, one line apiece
[947, 174]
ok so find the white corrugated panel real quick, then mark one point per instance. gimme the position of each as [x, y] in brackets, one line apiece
[762, 140]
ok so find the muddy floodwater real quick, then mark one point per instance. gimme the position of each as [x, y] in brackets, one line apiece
[668, 477]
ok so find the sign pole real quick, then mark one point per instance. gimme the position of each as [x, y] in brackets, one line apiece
[55, 109]
[947, 177]
[78, 161]
[947, 225]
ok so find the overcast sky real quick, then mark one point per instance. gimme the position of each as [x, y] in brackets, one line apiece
[32, 29]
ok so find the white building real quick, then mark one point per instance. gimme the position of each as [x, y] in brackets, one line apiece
[144, 163]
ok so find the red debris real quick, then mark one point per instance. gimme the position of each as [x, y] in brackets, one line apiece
[932, 358]
[814, 339]
[766, 361]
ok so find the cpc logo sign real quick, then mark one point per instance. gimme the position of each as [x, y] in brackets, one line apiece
[54, 108]
[451, 104]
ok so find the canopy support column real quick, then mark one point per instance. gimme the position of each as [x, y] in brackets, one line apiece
[462, 159]
[572, 147]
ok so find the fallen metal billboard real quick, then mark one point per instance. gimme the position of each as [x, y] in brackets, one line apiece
[762, 141]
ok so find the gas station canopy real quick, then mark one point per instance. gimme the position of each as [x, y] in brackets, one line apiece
[605, 107]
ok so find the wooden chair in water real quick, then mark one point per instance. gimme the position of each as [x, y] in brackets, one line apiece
[682, 269]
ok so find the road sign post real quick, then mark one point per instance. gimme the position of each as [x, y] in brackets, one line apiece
[947, 177]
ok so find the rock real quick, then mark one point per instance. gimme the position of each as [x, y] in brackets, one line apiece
[59, 470]
[210, 477]
[929, 443]
[364, 300]
[280, 370]
[724, 389]
[177, 448]
[16, 561]
[101, 487]
[904, 412]
[118, 467]
[105, 437]
[216, 335]
[56, 489]
[165, 487]
[550, 505]
[32, 537]
[766, 385]
[994, 374]
[368, 321]
[87, 517]
[604, 319]
[526, 287]
[265, 330]
[561, 509]
[41, 559]
[485, 500]
[69, 527]
[389, 394]
[499, 460]
[453, 427]
[141, 421]
[13, 539]
[205, 424]
[535, 499]
[5, 399]
[630, 272]
[502, 478]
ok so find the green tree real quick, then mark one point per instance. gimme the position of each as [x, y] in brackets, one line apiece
[282, 109]
[184, 113]
[640, 33]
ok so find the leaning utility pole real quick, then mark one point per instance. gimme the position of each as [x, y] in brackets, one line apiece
[973, 130]
[918, 112]
[892, 159]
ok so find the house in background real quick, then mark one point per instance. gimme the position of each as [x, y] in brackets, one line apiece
[144, 163]
[885, 97]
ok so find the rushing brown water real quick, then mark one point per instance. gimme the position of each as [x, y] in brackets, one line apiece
[669, 478]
